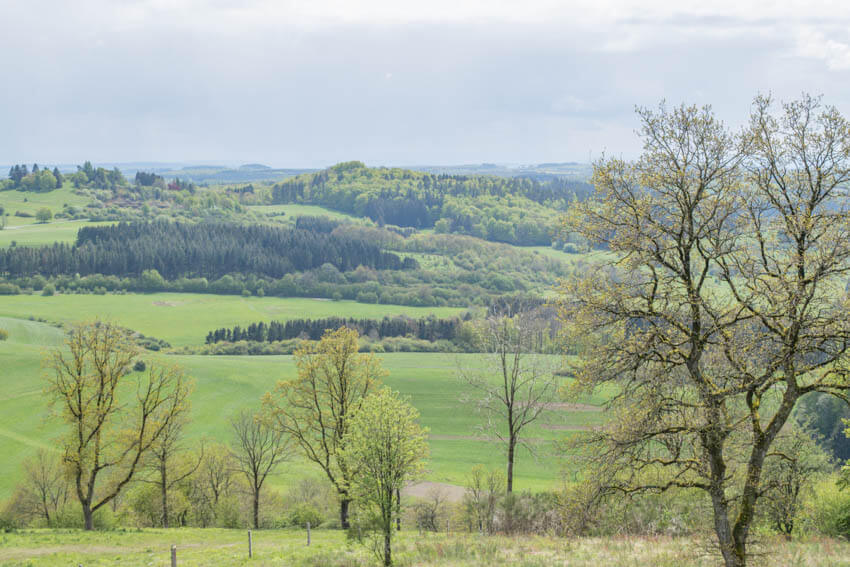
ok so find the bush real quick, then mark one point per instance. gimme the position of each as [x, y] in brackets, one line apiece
[48, 290]
[9, 289]
[302, 513]
[828, 512]
[4, 334]
[139, 366]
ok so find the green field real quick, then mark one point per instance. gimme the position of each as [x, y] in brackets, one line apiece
[186, 318]
[30, 202]
[329, 548]
[295, 211]
[43, 234]
[227, 384]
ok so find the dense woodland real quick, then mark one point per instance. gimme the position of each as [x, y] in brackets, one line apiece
[196, 250]
[429, 329]
[515, 210]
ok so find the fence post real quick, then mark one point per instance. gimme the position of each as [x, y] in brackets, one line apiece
[308, 534]
[250, 546]
[173, 556]
[448, 524]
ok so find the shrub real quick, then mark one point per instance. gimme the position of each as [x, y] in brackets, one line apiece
[4, 334]
[302, 513]
[829, 509]
[48, 290]
[139, 366]
[9, 289]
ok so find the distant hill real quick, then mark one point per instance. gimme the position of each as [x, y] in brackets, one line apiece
[570, 170]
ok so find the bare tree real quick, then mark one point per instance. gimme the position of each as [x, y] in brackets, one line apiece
[114, 416]
[45, 488]
[516, 384]
[170, 463]
[259, 449]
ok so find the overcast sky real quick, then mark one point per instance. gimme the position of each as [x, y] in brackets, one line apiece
[310, 83]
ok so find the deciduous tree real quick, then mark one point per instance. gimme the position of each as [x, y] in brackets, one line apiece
[113, 416]
[515, 383]
[258, 450]
[385, 449]
[315, 408]
[723, 301]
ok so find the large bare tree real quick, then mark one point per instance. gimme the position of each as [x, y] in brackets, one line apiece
[315, 408]
[113, 415]
[513, 384]
[724, 302]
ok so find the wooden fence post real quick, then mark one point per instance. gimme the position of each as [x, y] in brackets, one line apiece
[173, 556]
[250, 546]
[308, 534]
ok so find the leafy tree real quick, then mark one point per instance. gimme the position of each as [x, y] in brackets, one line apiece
[113, 416]
[315, 408]
[43, 215]
[385, 448]
[723, 303]
[258, 450]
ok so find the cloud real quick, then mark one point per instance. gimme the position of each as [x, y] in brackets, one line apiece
[814, 44]
[294, 82]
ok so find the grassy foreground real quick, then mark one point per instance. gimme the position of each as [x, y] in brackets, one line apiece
[196, 547]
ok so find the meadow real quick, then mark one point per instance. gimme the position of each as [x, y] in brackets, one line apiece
[226, 384]
[30, 202]
[186, 318]
[329, 548]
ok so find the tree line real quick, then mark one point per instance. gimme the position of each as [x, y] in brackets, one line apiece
[39, 180]
[208, 250]
[425, 328]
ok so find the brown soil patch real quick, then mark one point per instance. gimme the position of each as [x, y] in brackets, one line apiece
[166, 303]
[450, 492]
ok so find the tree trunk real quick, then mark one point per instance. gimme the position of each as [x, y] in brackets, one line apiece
[343, 512]
[164, 506]
[388, 558]
[88, 516]
[256, 508]
[398, 509]
[511, 449]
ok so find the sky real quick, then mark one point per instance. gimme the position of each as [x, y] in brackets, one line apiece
[294, 83]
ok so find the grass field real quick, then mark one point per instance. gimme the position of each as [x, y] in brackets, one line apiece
[295, 211]
[43, 234]
[227, 384]
[196, 547]
[30, 202]
[186, 318]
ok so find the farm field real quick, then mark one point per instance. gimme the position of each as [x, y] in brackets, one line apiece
[186, 318]
[227, 384]
[44, 234]
[329, 548]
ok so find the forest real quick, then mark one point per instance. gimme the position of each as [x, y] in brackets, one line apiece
[516, 210]
[211, 250]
